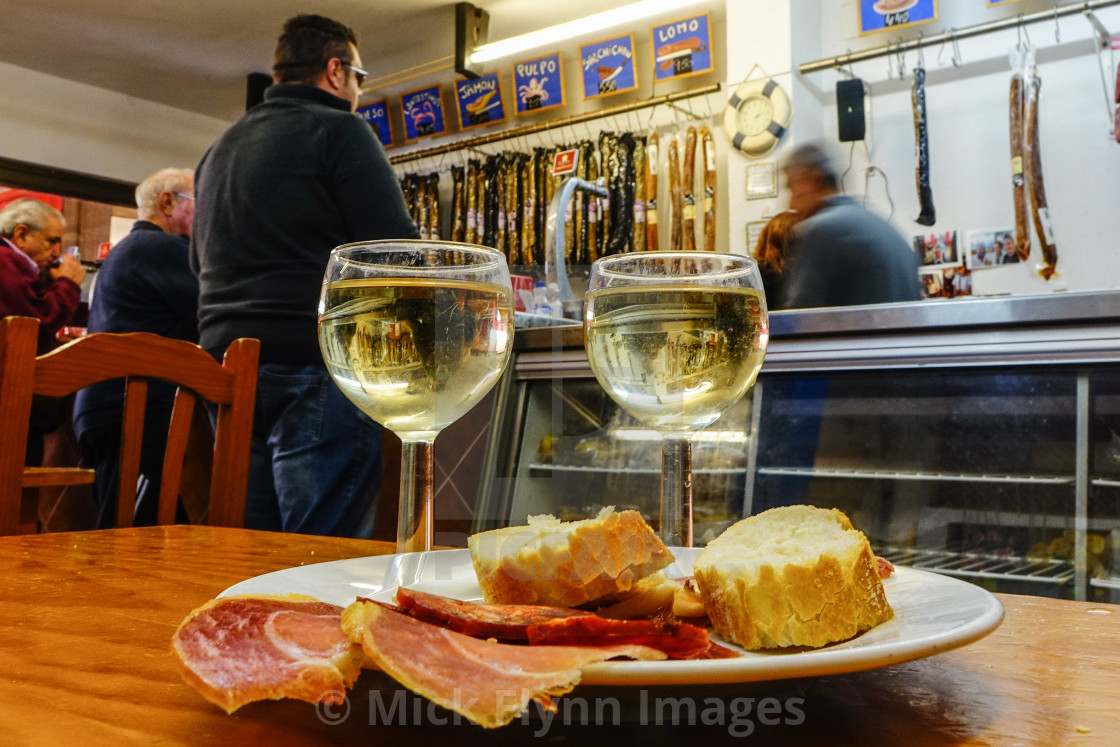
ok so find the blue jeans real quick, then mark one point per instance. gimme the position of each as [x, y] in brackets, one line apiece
[315, 465]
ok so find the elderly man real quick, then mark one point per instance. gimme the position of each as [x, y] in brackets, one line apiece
[295, 177]
[35, 282]
[841, 254]
[144, 285]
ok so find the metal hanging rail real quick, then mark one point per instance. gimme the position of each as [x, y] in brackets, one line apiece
[957, 34]
[476, 142]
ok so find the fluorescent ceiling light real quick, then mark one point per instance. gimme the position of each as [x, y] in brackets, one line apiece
[579, 27]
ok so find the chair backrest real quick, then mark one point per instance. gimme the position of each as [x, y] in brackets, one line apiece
[135, 357]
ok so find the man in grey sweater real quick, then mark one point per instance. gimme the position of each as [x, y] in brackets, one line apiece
[841, 253]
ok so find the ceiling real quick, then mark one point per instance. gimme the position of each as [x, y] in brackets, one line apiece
[195, 54]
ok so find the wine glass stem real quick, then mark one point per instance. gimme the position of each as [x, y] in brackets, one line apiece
[676, 490]
[414, 517]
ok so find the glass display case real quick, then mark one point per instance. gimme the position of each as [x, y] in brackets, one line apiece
[976, 438]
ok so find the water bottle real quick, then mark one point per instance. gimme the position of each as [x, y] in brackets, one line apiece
[540, 299]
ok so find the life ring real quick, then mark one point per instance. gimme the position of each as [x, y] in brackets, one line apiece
[757, 116]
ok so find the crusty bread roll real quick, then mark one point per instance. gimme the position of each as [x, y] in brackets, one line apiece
[791, 576]
[566, 563]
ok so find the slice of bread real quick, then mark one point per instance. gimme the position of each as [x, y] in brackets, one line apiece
[567, 563]
[791, 576]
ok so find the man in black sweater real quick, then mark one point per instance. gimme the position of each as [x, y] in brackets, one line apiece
[296, 176]
[144, 285]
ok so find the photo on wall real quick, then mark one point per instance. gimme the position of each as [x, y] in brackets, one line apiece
[990, 248]
[937, 249]
[945, 282]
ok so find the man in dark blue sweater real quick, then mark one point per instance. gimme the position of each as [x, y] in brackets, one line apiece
[296, 176]
[144, 285]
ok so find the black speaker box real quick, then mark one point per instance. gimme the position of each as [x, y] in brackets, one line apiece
[849, 110]
[254, 89]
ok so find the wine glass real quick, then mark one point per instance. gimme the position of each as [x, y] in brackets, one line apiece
[675, 338]
[415, 333]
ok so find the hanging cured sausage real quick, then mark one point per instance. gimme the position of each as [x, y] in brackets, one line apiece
[652, 155]
[927, 216]
[1040, 213]
[1018, 169]
[638, 242]
[676, 201]
[709, 145]
[688, 192]
[458, 205]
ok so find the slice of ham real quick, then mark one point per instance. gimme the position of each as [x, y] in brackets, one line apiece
[676, 639]
[239, 649]
[489, 683]
[884, 566]
[509, 622]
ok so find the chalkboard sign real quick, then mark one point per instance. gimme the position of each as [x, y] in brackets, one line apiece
[881, 15]
[538, 84]
[423, 113]
[377, 114]
[479, 101]
[682, 48]
[607, 67]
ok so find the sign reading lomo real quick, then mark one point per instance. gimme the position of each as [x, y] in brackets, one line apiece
[423, 113]
[682, 48]
[880, 15]
[607, 67]
[538, 84]
[377, 115]
[480, 101]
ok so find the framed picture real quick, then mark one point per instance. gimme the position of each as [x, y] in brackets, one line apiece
[880, 15]
[682, 48]
[479, 101]
[607, 67]
[423, 113]
[937, 249]
[762, 180]
[990, 248]
[377, 115]
[1001, 2]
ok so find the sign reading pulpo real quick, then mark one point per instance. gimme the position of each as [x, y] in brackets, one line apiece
[538, 84]
[480, 101]
[682, 48]
[377, 114]
[423, 113]
[607, 67]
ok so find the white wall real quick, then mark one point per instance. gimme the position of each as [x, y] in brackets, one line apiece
[968, 128]
[55, 122]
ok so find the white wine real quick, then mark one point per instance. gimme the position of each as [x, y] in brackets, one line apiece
[415, 355]
[676, 357]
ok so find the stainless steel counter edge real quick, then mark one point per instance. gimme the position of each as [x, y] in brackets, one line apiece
[1060, 328]
[1052, 308]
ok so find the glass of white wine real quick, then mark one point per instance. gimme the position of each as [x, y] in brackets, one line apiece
[675, 338]
[415, 333]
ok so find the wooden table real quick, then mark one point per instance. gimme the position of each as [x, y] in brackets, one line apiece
[86, 620]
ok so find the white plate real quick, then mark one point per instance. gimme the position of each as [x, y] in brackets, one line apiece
[932, 613]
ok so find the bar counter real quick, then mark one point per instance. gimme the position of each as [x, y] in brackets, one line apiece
[88, 617]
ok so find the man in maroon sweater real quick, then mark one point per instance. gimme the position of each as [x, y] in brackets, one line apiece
[32, 284]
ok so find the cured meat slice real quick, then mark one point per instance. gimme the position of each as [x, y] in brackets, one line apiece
[676, 639]
[239, 649]
[489, 683]
[509, 622]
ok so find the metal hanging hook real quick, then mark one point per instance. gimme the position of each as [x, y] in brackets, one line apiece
[921, 52]
[1057, 27]
[901, 60]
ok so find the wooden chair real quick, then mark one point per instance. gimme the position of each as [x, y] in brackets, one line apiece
[135, 357]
